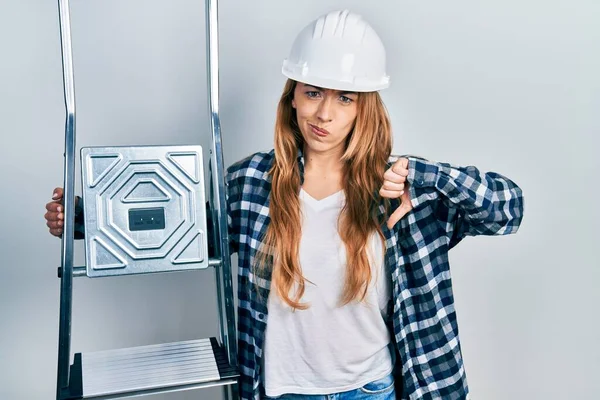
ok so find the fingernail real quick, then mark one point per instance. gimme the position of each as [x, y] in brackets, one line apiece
[59, 209]
[55, 196]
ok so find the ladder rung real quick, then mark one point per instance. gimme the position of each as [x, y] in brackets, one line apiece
[167, 367]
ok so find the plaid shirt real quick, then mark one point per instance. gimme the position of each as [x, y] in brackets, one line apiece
[449, 203]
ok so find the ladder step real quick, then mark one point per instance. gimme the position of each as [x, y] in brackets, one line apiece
[151, 369]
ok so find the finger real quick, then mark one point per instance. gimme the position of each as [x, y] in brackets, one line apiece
[400, 167]
[405, 199]
[387, 185]
[54, 213]
[391, 176]
[57, 193]
[391, 194]
[397, 215]
[53, 210]
[54, 224]
[56, 232]
[51, 216]
[54, 206]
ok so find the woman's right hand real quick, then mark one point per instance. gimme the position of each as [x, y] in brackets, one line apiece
[55, 214]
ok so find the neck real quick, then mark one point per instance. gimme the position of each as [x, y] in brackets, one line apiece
[322, 163]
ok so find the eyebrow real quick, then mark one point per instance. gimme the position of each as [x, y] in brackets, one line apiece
[322, 89]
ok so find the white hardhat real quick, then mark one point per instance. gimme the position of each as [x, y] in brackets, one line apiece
[341, 51]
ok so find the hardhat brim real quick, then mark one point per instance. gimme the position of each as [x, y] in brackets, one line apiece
[336, 84]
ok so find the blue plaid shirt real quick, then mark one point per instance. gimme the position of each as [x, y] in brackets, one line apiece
[449, 203]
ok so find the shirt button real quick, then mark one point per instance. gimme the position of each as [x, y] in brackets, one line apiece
[261, 316]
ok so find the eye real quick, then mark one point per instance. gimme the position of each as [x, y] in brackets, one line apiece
[312, 94]
[346, 100]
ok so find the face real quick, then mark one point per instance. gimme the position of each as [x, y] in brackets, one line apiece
[325, 117]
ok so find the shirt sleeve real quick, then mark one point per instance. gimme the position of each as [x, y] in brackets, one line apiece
[79, 220]
[467, 202]
[233, 212]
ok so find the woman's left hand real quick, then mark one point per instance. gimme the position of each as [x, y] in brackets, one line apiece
[395, 186]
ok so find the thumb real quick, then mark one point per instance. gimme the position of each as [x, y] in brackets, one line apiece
[398, 214]
[57, 194]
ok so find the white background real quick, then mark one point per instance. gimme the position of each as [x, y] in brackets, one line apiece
[509, 86]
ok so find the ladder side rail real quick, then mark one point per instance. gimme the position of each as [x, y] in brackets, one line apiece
[66, 284]
[217, 249]
[223, 272]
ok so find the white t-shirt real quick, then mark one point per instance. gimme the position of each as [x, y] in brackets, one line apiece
[327, 348]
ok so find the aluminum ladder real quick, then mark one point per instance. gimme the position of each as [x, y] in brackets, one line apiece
[151, 363]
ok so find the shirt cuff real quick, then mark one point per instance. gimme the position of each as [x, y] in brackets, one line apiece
[422, 175]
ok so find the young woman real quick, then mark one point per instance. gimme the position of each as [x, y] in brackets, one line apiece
[343, 248]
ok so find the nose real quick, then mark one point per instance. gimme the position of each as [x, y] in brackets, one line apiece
[325, 110]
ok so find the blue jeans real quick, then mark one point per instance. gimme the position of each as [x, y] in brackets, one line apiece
[380, 389]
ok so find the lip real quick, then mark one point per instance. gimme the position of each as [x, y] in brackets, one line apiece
[319, 131]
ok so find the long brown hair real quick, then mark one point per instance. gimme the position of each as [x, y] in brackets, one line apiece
[365, 159]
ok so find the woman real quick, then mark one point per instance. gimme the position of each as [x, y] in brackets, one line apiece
[343, 248]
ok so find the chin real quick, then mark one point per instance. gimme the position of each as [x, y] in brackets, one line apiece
[318, 146]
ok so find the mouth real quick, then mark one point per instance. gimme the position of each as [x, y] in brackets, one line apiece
[318, 131]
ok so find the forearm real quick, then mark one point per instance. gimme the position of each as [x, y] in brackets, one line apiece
[487, 203]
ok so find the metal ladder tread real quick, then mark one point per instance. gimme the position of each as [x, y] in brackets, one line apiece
[150, 369]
